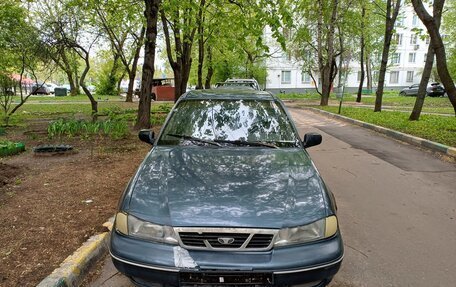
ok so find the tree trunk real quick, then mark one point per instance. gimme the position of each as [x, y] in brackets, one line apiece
[341, 58]
[210, 69]
[368, 71]
[325, 85]
[416, 112]
[73, 87]
[134, 66]
[433, 25]
[185, 72]
[326, 63]
[113, 74]
[200, 44]
[361, 81]
[389, 27]
[200, 64]
[93, 102]
[119, 81]
[130, 89]
[151, 14]
[66, 67]
[77, 80]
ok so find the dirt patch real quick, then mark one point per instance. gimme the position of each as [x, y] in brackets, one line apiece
[50, 205]
[7, 173]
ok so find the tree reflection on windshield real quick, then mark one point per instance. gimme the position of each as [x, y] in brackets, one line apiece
[230, 120]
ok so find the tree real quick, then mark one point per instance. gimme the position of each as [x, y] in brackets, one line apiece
[317, 34]
[390, 18]
[432, 24]
[21, 54]
[151, 11]
[66, 29]
[179, 18]
[125, 31]
[66, 59]
[205, 20]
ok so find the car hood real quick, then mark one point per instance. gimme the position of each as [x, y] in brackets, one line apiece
[237, 187]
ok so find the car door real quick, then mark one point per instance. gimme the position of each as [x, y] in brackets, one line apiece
[413, 90]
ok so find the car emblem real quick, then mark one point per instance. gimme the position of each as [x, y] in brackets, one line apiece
[225, 240]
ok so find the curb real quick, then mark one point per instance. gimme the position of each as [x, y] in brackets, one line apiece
[420, 142]
[74, 268]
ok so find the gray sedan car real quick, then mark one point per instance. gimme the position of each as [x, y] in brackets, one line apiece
[433, 90]
[228, 195]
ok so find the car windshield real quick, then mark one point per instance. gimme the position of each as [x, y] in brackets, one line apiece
[229, 122]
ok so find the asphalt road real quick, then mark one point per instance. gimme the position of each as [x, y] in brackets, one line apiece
[397, 208]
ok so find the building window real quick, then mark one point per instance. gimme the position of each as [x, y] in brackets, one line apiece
[395, 58]
[397, 39]
[414, 39]
[415, 20]
[412, 57]
[305, 78]
[286, 77]
[410, 76]
[400, 21]
[394, 77]
[425, 56]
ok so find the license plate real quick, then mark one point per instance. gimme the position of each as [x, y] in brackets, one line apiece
[226, 278]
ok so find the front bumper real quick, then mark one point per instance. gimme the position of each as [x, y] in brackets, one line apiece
[148, 262]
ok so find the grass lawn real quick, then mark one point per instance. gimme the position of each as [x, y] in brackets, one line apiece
[391, 100]
[431, 105]
[78, 98]
[33, 111]
[295, 96]
[440, 129]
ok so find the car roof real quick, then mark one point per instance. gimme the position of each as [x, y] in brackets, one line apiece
[240, 80]
[229, 94]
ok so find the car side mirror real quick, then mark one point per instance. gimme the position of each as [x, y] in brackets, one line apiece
[147, 136]
[311, 139]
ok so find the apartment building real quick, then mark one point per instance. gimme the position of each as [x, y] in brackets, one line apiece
[406, 61]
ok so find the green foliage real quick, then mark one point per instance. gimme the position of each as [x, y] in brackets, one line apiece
[449, 28]
[107, 84]
[164, 108]
[113, 128]
[238, 45]
[12, 26]
[440, 129]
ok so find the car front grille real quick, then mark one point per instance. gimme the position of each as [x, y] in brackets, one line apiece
[218, 239]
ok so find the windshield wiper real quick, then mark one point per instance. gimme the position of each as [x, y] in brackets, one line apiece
[190, 138]
[247, 143]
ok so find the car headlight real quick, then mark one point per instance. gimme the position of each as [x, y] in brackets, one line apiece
[132, 226]
[320, 229]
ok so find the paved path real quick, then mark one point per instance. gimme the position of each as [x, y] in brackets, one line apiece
[397, 208]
